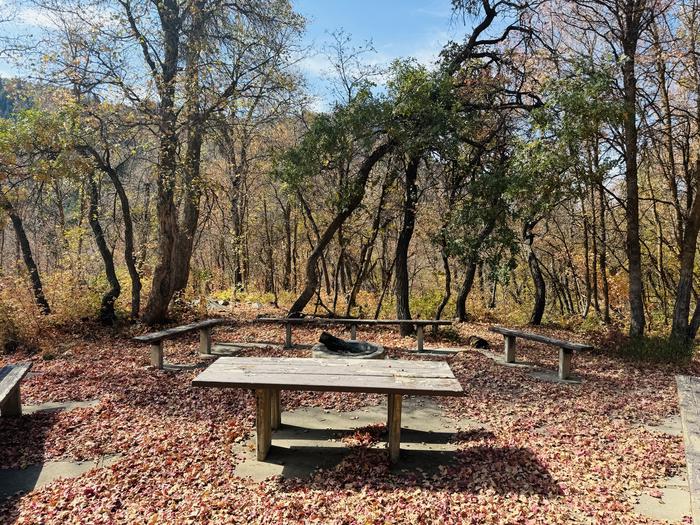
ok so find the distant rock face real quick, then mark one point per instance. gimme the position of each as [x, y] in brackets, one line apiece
[477, 342]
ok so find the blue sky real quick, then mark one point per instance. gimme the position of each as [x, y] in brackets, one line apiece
[397, 28]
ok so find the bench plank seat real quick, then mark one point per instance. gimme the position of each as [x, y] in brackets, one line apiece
[419, 324]
[155, 339]
[540, 338]
[10, 378]
[170, 333]
[566, 348]
[269, 375]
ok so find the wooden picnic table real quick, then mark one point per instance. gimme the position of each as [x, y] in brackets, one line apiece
[269, 375]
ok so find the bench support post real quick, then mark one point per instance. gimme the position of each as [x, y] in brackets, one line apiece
[565, 363]
[509, 342]
[205, 341]
[263, 422]
[275, 410]
[288, 335]
[419, 337]
[12, 407]
[157, 354]
[394, 426]
[353, 332]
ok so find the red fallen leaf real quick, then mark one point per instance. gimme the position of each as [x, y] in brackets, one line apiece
[656, 494]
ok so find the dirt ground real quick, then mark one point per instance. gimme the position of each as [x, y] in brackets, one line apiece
[517, 448]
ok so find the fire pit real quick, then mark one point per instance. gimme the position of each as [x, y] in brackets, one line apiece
[334, 347]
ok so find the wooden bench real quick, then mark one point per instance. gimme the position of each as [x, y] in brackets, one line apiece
[155, 339]
[10, 399]
[566, 349]
[288, 322]
[688, 402]
[269, 375]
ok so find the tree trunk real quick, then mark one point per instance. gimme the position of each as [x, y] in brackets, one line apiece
[466, 288]
[354, 200]
[634, 256]
[681, 309]
[403, 307]
[23, 243]
[107, 313]
[448, 278]
[169, 253]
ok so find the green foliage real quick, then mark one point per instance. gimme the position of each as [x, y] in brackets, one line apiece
[333, 141]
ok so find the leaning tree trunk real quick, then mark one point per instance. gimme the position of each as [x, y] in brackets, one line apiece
[464, 290]
[353, 202]
[107, 313]
[540, 289]
[129, 250]
[403, 307]
[23, 243]
[448, 279]
[472, 264]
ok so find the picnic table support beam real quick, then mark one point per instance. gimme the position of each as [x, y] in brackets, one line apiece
[288, 335]
[394, 426]
[353, 332]
[509, 345]
[205, 341]
[157, 354]
[275, 410]
[263, 422]
[12, 407]
[419, 337]
[565, 363]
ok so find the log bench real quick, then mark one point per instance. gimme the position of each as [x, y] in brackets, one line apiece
[267, 376]
[688, 401]
[566, 349]
[155, 339]
[289, 322]
[10, 399]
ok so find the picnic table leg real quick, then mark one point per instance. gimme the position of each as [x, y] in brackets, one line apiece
[394, 427]
[509, 342]
[419, 337]
[157, 354]
[565, 363]
[205, 341]
[288, 335]
[263, 422]
[353, 332]
[276, 410]
[12, 406]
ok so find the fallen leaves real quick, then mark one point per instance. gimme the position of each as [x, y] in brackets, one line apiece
[547, 452]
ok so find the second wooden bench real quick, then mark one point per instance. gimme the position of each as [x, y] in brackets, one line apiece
[566, 349]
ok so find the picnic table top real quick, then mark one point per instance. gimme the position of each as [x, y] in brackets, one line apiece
[434, 378]
[330, 320]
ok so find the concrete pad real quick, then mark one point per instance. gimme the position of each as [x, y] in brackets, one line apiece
[27, 479]
[226, 349]
[499, 359]
[671, 426]
[57, 407]
[552, 376]
[671, 504]
[311, 438]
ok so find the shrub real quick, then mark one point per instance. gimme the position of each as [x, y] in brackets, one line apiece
[658, 349]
